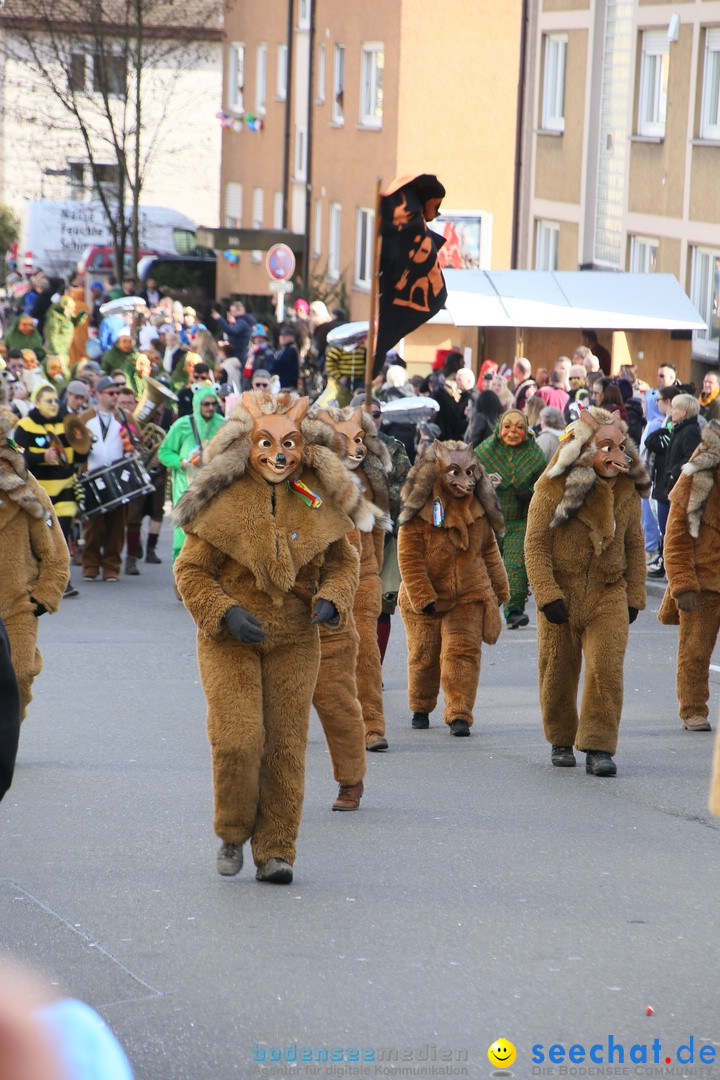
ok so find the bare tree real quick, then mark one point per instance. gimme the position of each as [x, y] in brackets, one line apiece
[95, 58]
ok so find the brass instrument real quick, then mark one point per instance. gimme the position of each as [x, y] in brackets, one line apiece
[153, 396]
[77, 434]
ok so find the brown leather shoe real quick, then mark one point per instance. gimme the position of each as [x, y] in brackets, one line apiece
[373, 741]
[349, 796]
[696, 723]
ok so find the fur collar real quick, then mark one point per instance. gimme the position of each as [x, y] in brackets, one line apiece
[418, 488]
[226, 458]
[574, 461]
[377, 463]
[700, 470]
[16, 484]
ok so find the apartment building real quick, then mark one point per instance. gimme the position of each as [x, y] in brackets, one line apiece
[621, 144]
[322, 97]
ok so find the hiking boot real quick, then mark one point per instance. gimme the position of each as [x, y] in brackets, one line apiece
[276, 871]
[599, 763]
[131, 566]
[696, 723]
[152, 557]
[373, 741]
[459, 727]
[420, 720]
[349, 796]
[229, 859]
[562, 756]
[657, 570]
[516, 619]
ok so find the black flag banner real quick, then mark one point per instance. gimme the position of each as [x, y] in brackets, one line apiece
[412, 288]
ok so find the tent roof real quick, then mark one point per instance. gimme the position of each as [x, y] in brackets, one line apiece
[569, 299]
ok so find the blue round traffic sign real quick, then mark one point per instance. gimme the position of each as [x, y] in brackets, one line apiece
[280, 262]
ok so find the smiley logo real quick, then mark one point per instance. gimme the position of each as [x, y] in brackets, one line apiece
[502, 1053]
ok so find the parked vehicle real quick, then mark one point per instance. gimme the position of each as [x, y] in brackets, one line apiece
[188, 278]
[56, 232]
[99, 262]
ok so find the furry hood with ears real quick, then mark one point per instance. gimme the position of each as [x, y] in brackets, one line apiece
[14, 482]
[377, 463]
[701, 470]
[574, 461]
[420, 482]
[226, 460]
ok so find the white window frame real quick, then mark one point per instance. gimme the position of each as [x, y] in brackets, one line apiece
[282, 70]
[554, 63]
[320, 82]
[317, 229]
[258, 219]
[338, 103]
[236, 77]
[705, 272]
[652, 99]
[261, 81]
[233, 204]
[300, 167]
[643, 254]
[710, 109]
[333, 271]
[547, 237]
[371, 84]
[364, 248]
[278, 202]
[304, 9]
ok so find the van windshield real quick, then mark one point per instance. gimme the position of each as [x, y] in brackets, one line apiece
[184, 241]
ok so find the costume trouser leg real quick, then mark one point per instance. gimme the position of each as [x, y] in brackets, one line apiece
[258, 715]
[512, 549]
[423, 634]
[104, 539]
[336, 703]
[698, 634]
[366, 609]
[598, 628]
[26, 657]
[460, 651]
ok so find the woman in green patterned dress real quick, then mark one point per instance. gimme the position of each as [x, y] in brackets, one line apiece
[513, 461]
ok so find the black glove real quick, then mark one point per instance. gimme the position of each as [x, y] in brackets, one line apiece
[556, 612]
[429, 609]
[633, 613]
[524, 495]
[325, 613]
[244, 626]
[40, 609]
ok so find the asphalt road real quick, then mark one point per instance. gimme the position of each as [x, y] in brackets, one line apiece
[479, 893]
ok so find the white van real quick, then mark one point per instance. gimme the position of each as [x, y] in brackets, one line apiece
[56, 232]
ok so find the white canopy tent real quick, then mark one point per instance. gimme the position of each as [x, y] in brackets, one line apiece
[570, 300]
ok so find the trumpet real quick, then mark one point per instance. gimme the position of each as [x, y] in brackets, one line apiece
[153, 396]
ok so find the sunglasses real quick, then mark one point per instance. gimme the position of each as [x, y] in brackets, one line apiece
[112, 393]
[376, 415]
[261, 385]
[488, 378]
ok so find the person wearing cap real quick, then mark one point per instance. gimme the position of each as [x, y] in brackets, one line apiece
[105, 534]
[75, 399]
[286, 362]
[260, 354]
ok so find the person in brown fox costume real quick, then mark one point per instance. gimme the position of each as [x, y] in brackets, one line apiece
[453, 580]
[585, 558]
[691, 552]
[266, 561]
[369, 460]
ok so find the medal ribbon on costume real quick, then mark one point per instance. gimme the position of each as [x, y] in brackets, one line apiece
[438, 513]
[314, 501]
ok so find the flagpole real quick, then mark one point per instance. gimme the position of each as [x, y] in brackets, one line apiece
[374, 286]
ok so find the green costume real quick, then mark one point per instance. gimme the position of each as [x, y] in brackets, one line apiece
[179, 444]
[60, 330]
[117, 360]
[519, 466]
[15, 340]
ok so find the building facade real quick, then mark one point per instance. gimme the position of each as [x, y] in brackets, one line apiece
[621, 144]
[321, 98]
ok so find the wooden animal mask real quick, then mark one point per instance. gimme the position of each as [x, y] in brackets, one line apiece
[513, 428]
[277, 441]
[610, 441]
[457, 470]
[354, 434]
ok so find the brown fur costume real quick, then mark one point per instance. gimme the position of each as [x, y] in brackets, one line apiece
[691, 551]
[457, 567]
[36, 563]
[250, 544]
[585, 545]
[373, 474]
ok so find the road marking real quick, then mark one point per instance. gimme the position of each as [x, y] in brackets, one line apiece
[714, 667]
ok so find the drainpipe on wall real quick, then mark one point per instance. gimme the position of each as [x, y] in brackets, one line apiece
[309, 156]
[519, 139]
[288, 110]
